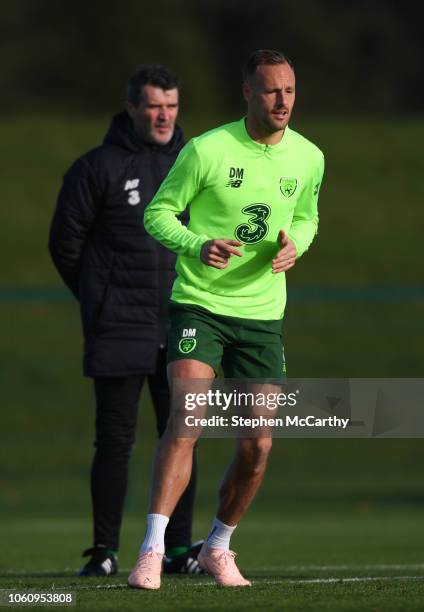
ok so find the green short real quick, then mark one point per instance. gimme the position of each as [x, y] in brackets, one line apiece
[246, 348]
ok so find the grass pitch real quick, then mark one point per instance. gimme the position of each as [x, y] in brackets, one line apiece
[361, 560]
[337, 524]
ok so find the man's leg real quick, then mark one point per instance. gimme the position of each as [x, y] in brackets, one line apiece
[243, 478]
[171, 473]
[172, 468]
[239, 487]
[173, 461]
[180, 556]
[255, 353]
[116, 419]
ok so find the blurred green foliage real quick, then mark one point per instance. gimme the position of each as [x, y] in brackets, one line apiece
[76, 55]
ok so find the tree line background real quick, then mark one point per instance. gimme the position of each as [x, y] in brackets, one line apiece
[350, 55]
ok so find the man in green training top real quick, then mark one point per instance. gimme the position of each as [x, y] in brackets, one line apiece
[252, 188]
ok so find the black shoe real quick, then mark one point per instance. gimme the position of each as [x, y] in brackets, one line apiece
[102, 562]
[186, 563]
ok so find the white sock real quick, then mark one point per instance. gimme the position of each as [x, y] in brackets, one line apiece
[220, 535]
[155, 533]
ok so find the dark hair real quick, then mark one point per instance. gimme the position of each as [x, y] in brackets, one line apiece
[262, 57]
[149, 74]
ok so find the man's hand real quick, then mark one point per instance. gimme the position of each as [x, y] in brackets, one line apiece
[286, 256]
[217, 253]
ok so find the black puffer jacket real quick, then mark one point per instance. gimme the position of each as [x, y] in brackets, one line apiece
[121, 276]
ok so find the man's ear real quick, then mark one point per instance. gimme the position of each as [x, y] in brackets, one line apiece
[247, 91]
[130, 109]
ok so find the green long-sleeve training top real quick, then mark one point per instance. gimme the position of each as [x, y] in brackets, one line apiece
[240, 189]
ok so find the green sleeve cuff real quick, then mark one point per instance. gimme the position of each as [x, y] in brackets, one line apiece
[296, 244]
[196, 247]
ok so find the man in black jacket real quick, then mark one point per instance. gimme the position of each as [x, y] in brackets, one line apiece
[122, 278]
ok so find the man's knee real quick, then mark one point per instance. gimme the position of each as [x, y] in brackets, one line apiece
[116, 444]
[255, 451]
[169, 439]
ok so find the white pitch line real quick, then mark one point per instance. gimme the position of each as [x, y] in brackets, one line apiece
[340, 580]
[208, 583]
[284, 568]
[332, 568]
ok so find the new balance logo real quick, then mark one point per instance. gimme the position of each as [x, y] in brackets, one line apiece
[131, 184]
[235, 177]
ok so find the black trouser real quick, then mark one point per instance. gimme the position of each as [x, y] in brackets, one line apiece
[116, 419]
